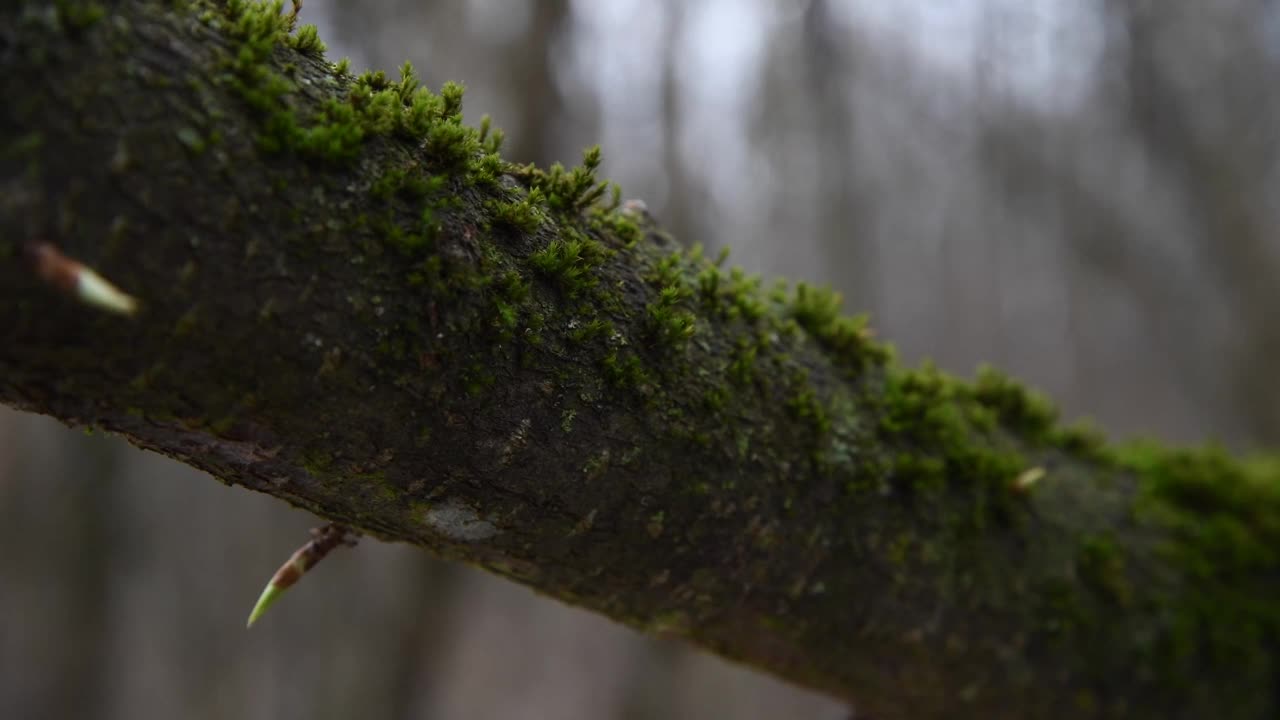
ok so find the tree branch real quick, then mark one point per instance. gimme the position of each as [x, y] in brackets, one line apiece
[348, 301]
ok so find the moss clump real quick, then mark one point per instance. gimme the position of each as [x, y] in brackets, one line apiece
[571, 262]
[568, 192]
[606, 220]
[79, 16]
[374, 105]
[307, 41]
[624, 370]
[732, 295]
[805, 406]
[525, 215]
[1223, 515]
[1016, 407]
[715, 398]
[818, 311]
[928, 413]
[477, 379]
[1101, 568]
[510, 294]
[670, 324]
[742, 364]
[584, 332]
[410, 183]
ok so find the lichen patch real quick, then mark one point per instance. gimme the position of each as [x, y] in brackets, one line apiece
[457, 521]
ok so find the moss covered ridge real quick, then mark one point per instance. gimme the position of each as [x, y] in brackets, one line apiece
[1218, 518]
[734, 462]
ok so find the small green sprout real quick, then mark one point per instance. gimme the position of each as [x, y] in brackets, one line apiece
[323, 541]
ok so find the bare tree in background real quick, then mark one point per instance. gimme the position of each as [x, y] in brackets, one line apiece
[1198, 87]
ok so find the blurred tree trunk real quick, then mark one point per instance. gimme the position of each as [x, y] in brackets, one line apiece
[514, 384]
[1200, 90]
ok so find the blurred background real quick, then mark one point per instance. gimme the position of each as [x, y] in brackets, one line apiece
[1082, 193]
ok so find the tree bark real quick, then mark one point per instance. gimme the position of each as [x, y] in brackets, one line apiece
[347, 302]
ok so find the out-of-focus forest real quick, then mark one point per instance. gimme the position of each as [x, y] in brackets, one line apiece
[1084, 194]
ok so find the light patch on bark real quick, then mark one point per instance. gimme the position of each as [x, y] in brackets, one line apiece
[456, 521]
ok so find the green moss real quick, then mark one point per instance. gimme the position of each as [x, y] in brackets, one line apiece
[186, 324]
[490, 137]
[919, 473]
[1101, 568]
[1209, 610]
[667, 321]
[307, 41]
[612, 223]
[655, 525]
[948, 445]
[373, 106]
[412, 239]
[317, 461]
[709, 288]
[525, 215]
[569, 192]
[817, 311]
[409, 183]
[584, 332]
[921, 402]
[806, 406]
[24, 146]
[79, 16]
[596, 466]
[570, 262]
[511, 286]
[668, 272]
[1223, 513]
[478, 379]
[715, 398]
[744, 296]
[624, 370]
[1017, 408]
[222, 425]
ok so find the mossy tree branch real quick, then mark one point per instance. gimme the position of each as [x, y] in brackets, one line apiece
[349, 301]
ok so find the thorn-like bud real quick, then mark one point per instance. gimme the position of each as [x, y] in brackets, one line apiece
[270, 594]
[323, 541]
[78, 280]
[1028, 478]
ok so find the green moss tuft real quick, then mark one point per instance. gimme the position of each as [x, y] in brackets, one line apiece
[667, 321]
[817, 311]
[373, 107]
[1101, 568]
[624, 370]
[928, 413]
[742, 366]
[570, 262]
[806, 406]
[477, 380]
[581, 333]
[1019, 409]
[78, 16]
[307, 41]
[568, 192]
[525, 215]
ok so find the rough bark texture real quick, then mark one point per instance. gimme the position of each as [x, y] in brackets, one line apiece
[350, 304]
